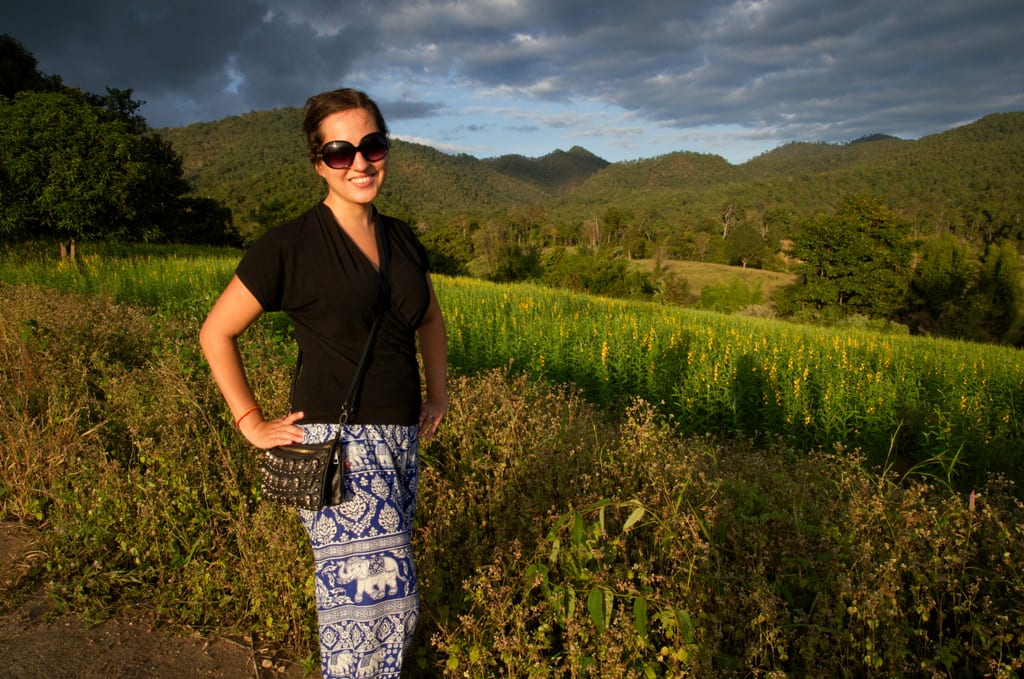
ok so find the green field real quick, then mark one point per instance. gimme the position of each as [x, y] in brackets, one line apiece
[700, 275]
[619, 489]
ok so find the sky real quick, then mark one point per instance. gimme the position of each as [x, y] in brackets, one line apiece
[625, 79]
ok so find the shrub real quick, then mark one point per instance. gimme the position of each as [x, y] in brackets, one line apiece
[553, 538]
[729, 297]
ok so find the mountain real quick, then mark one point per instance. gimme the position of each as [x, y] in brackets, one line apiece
[966, 180]
[558, 171]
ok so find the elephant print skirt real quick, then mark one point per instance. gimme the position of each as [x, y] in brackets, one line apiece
[366, 594]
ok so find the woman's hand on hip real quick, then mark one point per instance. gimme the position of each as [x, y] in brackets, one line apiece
[278, 432]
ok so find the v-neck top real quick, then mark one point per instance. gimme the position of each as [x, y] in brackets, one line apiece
[310, 269]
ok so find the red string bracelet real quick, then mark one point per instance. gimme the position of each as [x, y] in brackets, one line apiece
[247, 413]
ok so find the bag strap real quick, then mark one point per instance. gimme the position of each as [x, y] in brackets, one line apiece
[348, 406]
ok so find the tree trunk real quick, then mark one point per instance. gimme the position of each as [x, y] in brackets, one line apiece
[67, 251]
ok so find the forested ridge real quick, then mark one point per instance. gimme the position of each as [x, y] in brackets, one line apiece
[968, 180]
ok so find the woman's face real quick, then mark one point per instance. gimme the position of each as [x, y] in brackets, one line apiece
[359, 183]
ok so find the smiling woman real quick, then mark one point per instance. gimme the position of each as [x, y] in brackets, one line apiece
[341, 272]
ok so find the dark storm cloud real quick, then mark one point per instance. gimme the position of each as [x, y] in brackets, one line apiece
[409, 110]
[805, 68]
[796, 69]
[188, 59]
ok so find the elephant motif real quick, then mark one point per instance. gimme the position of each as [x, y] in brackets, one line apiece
[375, 576]
[345, 664]
[357, 455]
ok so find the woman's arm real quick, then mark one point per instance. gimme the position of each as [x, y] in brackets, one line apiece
[434, 350]
[233, 313]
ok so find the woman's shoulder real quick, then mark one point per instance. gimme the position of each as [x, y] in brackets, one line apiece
[403, 237]
[394, 222]
[289, 233]
[302, 222]
[399, 228]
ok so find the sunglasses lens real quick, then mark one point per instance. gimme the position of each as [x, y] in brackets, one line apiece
[338, 154]
[374, 147]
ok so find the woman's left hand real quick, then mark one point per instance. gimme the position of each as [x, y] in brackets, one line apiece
[431, 414]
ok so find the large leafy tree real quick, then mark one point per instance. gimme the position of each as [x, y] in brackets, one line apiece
[954, 292]
[77, 166]
[856, 260]
[68, 172]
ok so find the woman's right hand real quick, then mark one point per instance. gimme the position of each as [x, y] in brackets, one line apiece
[269, 433]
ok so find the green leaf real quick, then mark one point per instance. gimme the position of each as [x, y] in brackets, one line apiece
[640, 616]
[556, 546]
[595, 605]
[577, 529]
[634, 518]
[685, 626]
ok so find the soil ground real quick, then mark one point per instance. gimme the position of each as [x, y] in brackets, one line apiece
[38, 643]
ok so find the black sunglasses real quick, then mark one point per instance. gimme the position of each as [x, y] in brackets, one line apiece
[339, 155]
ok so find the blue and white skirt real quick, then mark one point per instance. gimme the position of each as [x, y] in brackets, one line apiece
[367, 598]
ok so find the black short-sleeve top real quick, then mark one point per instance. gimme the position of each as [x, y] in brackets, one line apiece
[311, 270]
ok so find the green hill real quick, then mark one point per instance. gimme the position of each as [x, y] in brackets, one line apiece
[968, 180]
[558, 171]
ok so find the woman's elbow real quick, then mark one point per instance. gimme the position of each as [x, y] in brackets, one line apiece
[211, 337]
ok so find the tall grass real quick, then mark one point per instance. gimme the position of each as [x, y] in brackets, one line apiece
[953, 407]
[181, 279]
[942, 407]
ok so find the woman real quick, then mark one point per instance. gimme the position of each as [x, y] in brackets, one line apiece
[322, 269]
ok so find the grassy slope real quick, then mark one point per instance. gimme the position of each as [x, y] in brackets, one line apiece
[702, 274]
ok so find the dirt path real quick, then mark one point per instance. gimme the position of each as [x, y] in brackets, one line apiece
[36, 643]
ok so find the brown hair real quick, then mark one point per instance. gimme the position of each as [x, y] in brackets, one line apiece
[321, 105]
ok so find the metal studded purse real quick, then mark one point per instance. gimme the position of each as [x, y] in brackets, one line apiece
[304, 475]
[311, 475]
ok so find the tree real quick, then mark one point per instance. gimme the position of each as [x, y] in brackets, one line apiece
[597, 272]
[729, 217]
[995, 302]
[77, 166]
[66, 171]
[18, 70]
[516, 263]
[635, 241]
[613, 224]
[746, 245]
[119, 105]
[73, 171]
[202, 221]
[938, 287]
[854, 261]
